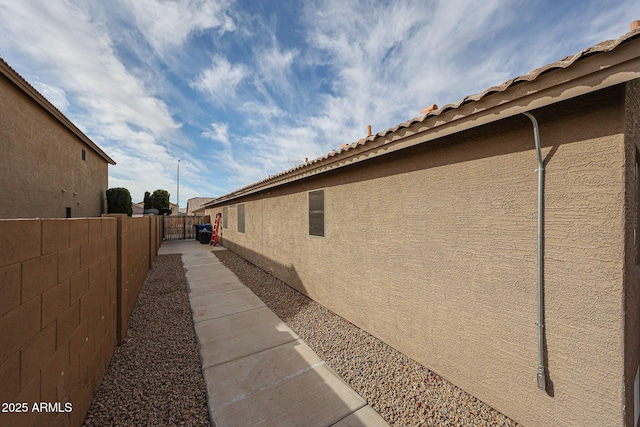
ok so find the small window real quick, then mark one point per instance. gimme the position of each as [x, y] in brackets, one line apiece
[224, 217]
[68, 212]
[316, 213]
[241, 218]
[84, 154]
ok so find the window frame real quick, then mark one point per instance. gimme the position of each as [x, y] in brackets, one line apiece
[239, 207]
[313, 213]
[225, 213]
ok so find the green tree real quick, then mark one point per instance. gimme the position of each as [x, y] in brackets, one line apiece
[119, 201]
[147, 202]
[158, 200]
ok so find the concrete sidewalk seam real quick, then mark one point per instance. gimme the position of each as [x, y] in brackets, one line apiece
[226, 315]
[218, 276]
[213, 292]
[230, 314]
[214, 278]
[245, 355]
[261, 373]
[200, 265]
[271, 385]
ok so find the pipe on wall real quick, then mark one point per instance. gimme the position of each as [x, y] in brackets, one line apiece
[541, 369]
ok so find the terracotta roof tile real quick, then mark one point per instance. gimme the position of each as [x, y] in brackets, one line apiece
[566, 62]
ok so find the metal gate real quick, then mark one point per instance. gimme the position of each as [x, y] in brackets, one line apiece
[182, 227]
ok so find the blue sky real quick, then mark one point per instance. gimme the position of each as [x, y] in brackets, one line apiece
[240, 90]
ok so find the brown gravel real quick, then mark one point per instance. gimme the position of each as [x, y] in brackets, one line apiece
[155, 376]
[403, 392]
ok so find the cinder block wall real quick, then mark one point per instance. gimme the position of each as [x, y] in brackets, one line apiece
[138, 243]
[433, 250]
[57, 314]
[155, 237]
[65, 286]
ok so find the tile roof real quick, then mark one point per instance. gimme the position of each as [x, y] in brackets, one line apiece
[197, 202]
[564, 63]
[30, 91]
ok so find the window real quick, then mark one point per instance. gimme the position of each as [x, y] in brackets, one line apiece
[224, 217]
[316, 213]
[241, 218]
[68, 212]
[84, 154]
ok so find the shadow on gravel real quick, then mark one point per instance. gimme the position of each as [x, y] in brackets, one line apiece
[398, 388]
[256, 369]
[154, 376]
[286, 303]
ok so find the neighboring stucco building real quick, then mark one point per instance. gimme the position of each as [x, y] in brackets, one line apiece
[175, 211]
[137, 209]
[426, 236]
[195, 205]
[48, 167]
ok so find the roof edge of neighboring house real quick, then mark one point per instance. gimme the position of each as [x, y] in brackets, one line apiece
[36, 96]
[477, 110]
[199, 203]
[200, 210]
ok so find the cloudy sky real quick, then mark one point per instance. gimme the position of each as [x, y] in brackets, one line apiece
[240, 90]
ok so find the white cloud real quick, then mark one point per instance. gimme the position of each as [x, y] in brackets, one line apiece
[261, 113]
[254, 157]
[393, 59]
[71, 49]
[220, 80]
[274, 70]
[75, 51]
[278, 145]
[258, 92]
[54, 95]
[143, 166]
[167, 24]
[219, 133]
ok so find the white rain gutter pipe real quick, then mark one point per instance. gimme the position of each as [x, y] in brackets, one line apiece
[540, 323]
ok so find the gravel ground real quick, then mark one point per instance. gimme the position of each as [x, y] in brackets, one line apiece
[155, 376]
[403, 392]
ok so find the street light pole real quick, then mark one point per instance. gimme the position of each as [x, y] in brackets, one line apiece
[178, 191]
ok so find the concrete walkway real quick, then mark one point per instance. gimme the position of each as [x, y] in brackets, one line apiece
[258, 371]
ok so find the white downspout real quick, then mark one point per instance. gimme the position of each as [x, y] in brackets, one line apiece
[540, 323]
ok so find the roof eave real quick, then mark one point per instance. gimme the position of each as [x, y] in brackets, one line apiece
[36, 96]
[549, 86]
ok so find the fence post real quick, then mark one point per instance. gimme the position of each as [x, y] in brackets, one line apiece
[119, 283]
[151, 244]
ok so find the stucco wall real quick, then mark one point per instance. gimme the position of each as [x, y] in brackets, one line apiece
[433, 250]
[42, 169]
[632, 276]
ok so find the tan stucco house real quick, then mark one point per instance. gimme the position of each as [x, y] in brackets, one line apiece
[195, 205]
[48, 167]
[427, 236]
